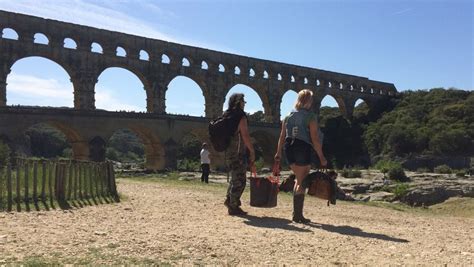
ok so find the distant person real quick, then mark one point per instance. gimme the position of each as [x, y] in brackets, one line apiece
[298, 137]
[236, 153]
[205, 163]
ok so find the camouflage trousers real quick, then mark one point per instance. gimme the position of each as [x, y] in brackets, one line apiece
[238, 168]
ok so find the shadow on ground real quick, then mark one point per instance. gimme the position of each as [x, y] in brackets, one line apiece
[273, 223]
[354, 231]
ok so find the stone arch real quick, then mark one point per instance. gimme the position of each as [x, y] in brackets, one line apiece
[262, 95]
[190, 143]
[204, 65]
[49, 94]
[265, 75]
[108, 100]
[40, 38]
[237, 70]
[69, 43]
[96, 48]
[361, 107]
[287, 101]
[251, 73]
[180, 102]
[79, 146]
[339, 100]
[121, 52]
[165, 59]
[144, 55]
[153, 146]
[9, 33]
[97, 149]
[185, 62]
[221, 68]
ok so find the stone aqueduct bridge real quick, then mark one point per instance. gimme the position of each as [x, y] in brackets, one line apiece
[156, 63]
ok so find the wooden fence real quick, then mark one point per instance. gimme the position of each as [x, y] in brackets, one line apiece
[30, 181]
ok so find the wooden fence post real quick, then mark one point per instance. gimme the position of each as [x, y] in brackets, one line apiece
[27, 171]
[35, 181]
[76, 173]
[69, 180]
[52, 167]
[102, 169]
[18, 194]
[43, 180]
[9, 187]
[113, 184]
[91, 171]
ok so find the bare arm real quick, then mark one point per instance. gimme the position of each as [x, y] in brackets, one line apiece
[313, 129]
[280, 141]
[244, 132]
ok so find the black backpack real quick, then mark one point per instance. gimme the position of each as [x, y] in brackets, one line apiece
[221, 131]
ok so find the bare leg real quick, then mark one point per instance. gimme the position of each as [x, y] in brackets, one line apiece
[298, 196]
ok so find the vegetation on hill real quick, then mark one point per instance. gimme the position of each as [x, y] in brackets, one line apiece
[434, 122]
[125, 146]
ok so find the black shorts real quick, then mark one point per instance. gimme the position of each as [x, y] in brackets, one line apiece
[298, 152]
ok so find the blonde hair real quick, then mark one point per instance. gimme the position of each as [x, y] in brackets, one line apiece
[305, 99]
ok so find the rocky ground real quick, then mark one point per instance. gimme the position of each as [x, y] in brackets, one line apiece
[423, 189]
[164, 221]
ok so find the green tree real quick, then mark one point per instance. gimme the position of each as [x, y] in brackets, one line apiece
[258, 116]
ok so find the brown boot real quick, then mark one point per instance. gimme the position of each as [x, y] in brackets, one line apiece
[298, 202]
[237, 211]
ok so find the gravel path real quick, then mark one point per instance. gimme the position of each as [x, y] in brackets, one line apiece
[160, 223]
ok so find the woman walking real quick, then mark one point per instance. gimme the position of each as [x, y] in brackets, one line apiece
[298, 137]
[239, 154]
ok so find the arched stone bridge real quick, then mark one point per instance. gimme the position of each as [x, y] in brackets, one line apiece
[156, 63]
[89, 131]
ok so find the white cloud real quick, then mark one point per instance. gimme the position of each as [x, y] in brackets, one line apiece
[105, 15]
[86, 13]
[30, 90]
[104, 100]
[34, 91]
[402, 11]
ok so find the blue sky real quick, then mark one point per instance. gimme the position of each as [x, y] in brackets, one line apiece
[414, 44]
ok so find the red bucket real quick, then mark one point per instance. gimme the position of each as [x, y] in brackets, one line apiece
[264, 190]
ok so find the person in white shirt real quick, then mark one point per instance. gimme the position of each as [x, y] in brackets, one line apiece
[205, 163]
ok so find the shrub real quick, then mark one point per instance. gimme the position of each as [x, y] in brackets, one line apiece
[400, 190]
[445, 169]
[460, 173]
[188, 165]
[393, 169]
[397, 173]
[350, 173]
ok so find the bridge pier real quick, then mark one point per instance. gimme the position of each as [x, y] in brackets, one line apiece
[155, 96]
[4, 71]
[3, 92]
[80, 150]
[84, 85]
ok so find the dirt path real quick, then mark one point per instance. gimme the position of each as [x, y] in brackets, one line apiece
[159, 223]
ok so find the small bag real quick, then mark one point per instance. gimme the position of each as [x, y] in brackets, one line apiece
[322, 185]
[288, 184]
[264, 190]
